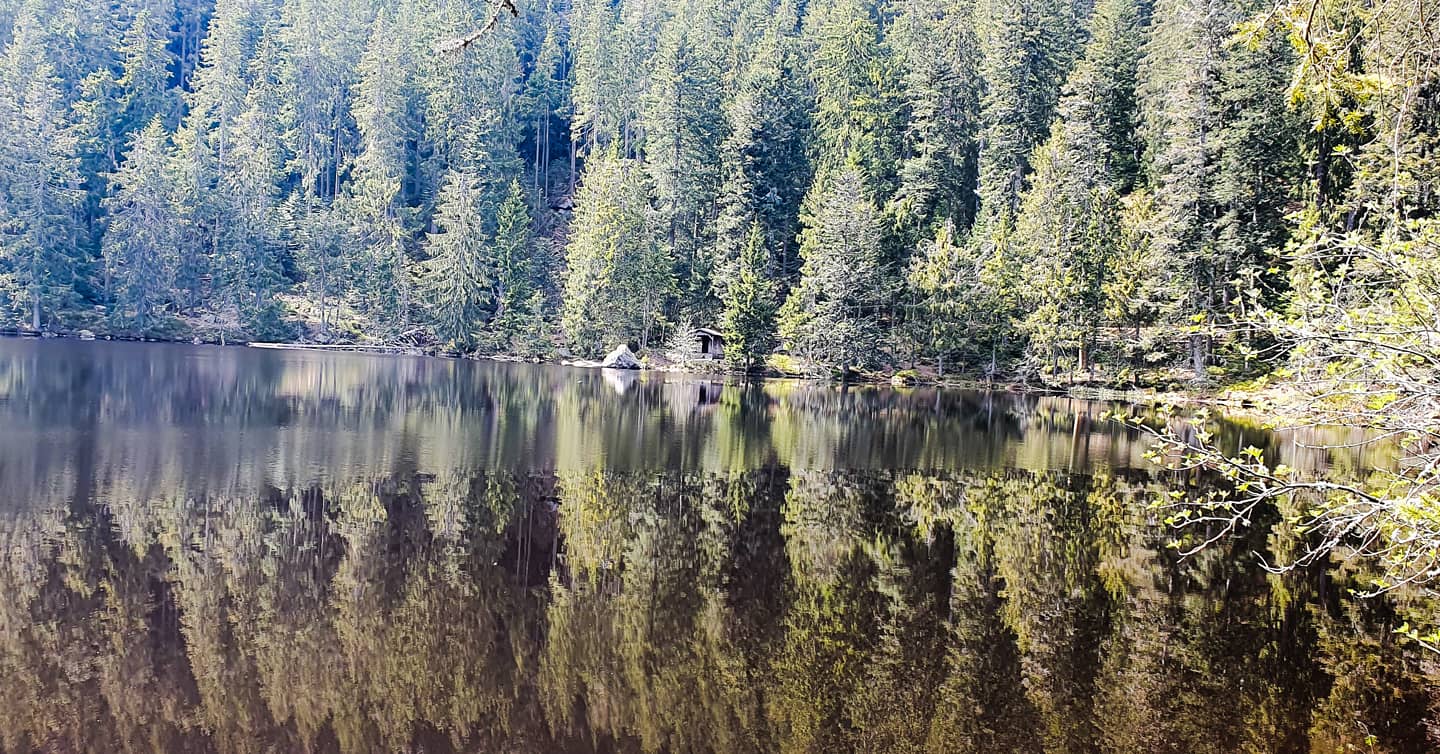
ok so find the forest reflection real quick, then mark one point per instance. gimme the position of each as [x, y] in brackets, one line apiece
[764, 610]
[110, 420]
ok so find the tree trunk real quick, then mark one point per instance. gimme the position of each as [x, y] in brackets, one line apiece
[1197, 356]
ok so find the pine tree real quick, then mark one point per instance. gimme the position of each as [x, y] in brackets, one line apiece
[856, 100]
[513, 253]
[147, 67]
[683, 127]
[1026, 48]
[39, 178]
[1104, 87]
[248, 222]
[459, 278]
[546, 98]
[617, 280]
[956, 308]
[1064, 239]
[321, 43]
[1221, 153]
[749, 316]
[831, 316]
[764, 167]
[1135, 272]
[319, 238]
[205, 157]
[1064, 244]
[937, 49]
[383, 109]
[142, 242]
[469, 105]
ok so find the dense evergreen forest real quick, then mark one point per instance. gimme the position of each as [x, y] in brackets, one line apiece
[1047, 188]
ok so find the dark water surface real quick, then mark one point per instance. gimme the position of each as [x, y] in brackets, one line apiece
[233, 550]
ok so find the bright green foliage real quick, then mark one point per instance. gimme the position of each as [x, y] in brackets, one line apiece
[830, 315]
[459, 279]
[1135, 270]
[750, 304]
[958, 314]
[856, 95]
[618, 279]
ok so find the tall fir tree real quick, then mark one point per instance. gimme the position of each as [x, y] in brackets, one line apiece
[1064, 239]
[684, 127]
[832, 315]
[142, 239]
[516, 286]
[937, 49]
[459, 277]
[748, 320]
[248, 234]
[1026, 48]
[763, 162]
[382, 175]
[857, 101]
[1180, 75]
[39, 180]
[618, 279]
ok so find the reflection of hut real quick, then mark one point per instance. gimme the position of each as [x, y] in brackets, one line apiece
[709, 393]
[686, 398]
[711, 343]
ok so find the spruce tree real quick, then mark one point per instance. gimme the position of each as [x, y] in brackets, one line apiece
[937, 49]
[857, 102]
[249, 242]
[459, 277]
[1064, 239]
[831, 316]
[683, 126]
[618, 279]
[1027, 47]
[748, 321]
[142, 242]
[383, 109]
[957, 313]
[513, 254]
[39, 179]
[764, 166]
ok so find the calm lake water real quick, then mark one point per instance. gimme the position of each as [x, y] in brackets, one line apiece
[234, 550]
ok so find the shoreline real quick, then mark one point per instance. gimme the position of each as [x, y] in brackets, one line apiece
[1230, 398]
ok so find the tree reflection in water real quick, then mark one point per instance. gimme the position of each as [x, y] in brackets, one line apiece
[231, 550]
[633, 611]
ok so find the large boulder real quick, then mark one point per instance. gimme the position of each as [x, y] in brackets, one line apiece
[621, 358]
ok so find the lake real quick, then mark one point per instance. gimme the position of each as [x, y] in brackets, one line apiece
[238, 550]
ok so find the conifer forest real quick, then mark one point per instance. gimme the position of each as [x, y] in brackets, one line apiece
[1116, 189]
